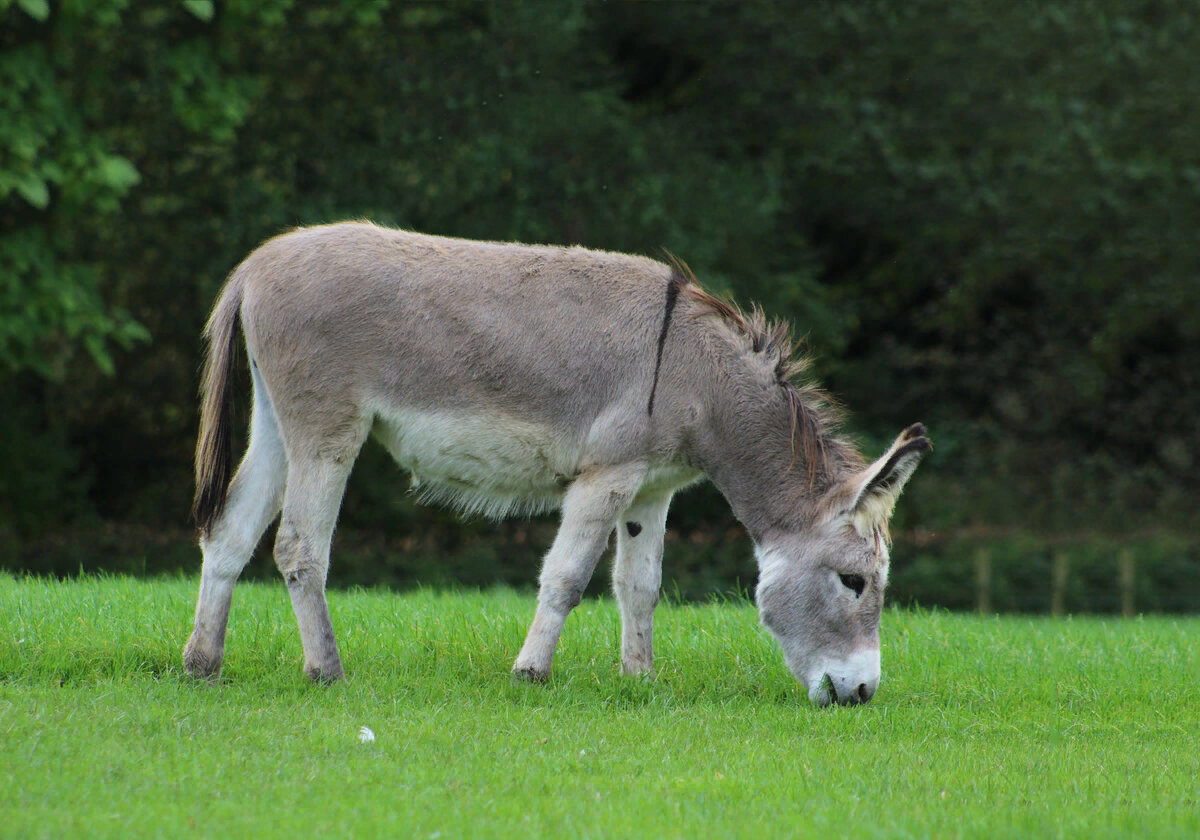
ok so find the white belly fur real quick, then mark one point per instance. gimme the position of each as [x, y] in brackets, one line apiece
[496, 466]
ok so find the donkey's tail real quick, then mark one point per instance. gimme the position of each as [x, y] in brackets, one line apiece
[214, 446]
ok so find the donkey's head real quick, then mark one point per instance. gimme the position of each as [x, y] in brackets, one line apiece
[820, 591]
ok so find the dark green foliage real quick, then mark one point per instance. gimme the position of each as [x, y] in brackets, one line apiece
[981, 216]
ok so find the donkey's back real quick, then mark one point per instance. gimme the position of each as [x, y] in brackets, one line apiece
[431, 320]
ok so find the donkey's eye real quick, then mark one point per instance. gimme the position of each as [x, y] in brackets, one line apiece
[856, 582]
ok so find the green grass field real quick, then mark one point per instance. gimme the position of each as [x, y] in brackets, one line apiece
[982, 727]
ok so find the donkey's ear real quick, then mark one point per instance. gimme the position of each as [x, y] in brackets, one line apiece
[879, 485]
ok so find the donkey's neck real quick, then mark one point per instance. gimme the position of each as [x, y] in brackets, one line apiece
[767, 488]
[753, 448]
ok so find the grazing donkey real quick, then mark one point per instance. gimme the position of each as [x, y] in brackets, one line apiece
[512, 379]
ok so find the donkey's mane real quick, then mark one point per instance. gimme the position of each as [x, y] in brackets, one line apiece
[815, 414]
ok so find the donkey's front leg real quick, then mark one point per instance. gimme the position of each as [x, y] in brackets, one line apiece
[637, 578]
[590, 510]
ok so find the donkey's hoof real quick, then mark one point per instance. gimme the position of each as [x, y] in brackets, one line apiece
[531, 675]
[324, 675]
[201, 665]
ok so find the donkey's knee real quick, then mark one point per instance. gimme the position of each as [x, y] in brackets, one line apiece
[563, 594]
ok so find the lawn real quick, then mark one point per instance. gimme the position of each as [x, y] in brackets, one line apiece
[982, 727]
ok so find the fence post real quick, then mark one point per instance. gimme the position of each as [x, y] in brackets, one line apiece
[983, 580]
[1125, 574]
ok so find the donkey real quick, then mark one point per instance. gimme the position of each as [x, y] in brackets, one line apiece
[512, 379]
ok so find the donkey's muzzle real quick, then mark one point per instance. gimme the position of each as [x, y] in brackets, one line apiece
[844, 690]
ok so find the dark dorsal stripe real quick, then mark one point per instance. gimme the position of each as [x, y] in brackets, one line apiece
[676, 283]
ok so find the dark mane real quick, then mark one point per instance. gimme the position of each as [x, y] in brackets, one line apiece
[815, 414]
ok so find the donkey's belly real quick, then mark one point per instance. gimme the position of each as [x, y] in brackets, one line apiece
[495, 465]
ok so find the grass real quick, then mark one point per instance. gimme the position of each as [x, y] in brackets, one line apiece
[982, 727]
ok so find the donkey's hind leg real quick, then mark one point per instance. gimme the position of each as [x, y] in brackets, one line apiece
[637, 578]
[254, 499]
[590, 510]
[310, 509]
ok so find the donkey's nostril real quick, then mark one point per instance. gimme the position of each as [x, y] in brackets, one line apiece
[864, 693]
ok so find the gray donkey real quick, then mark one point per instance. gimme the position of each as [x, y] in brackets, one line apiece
[512, 379]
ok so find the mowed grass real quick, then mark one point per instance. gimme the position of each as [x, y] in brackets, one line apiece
[982, 727]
